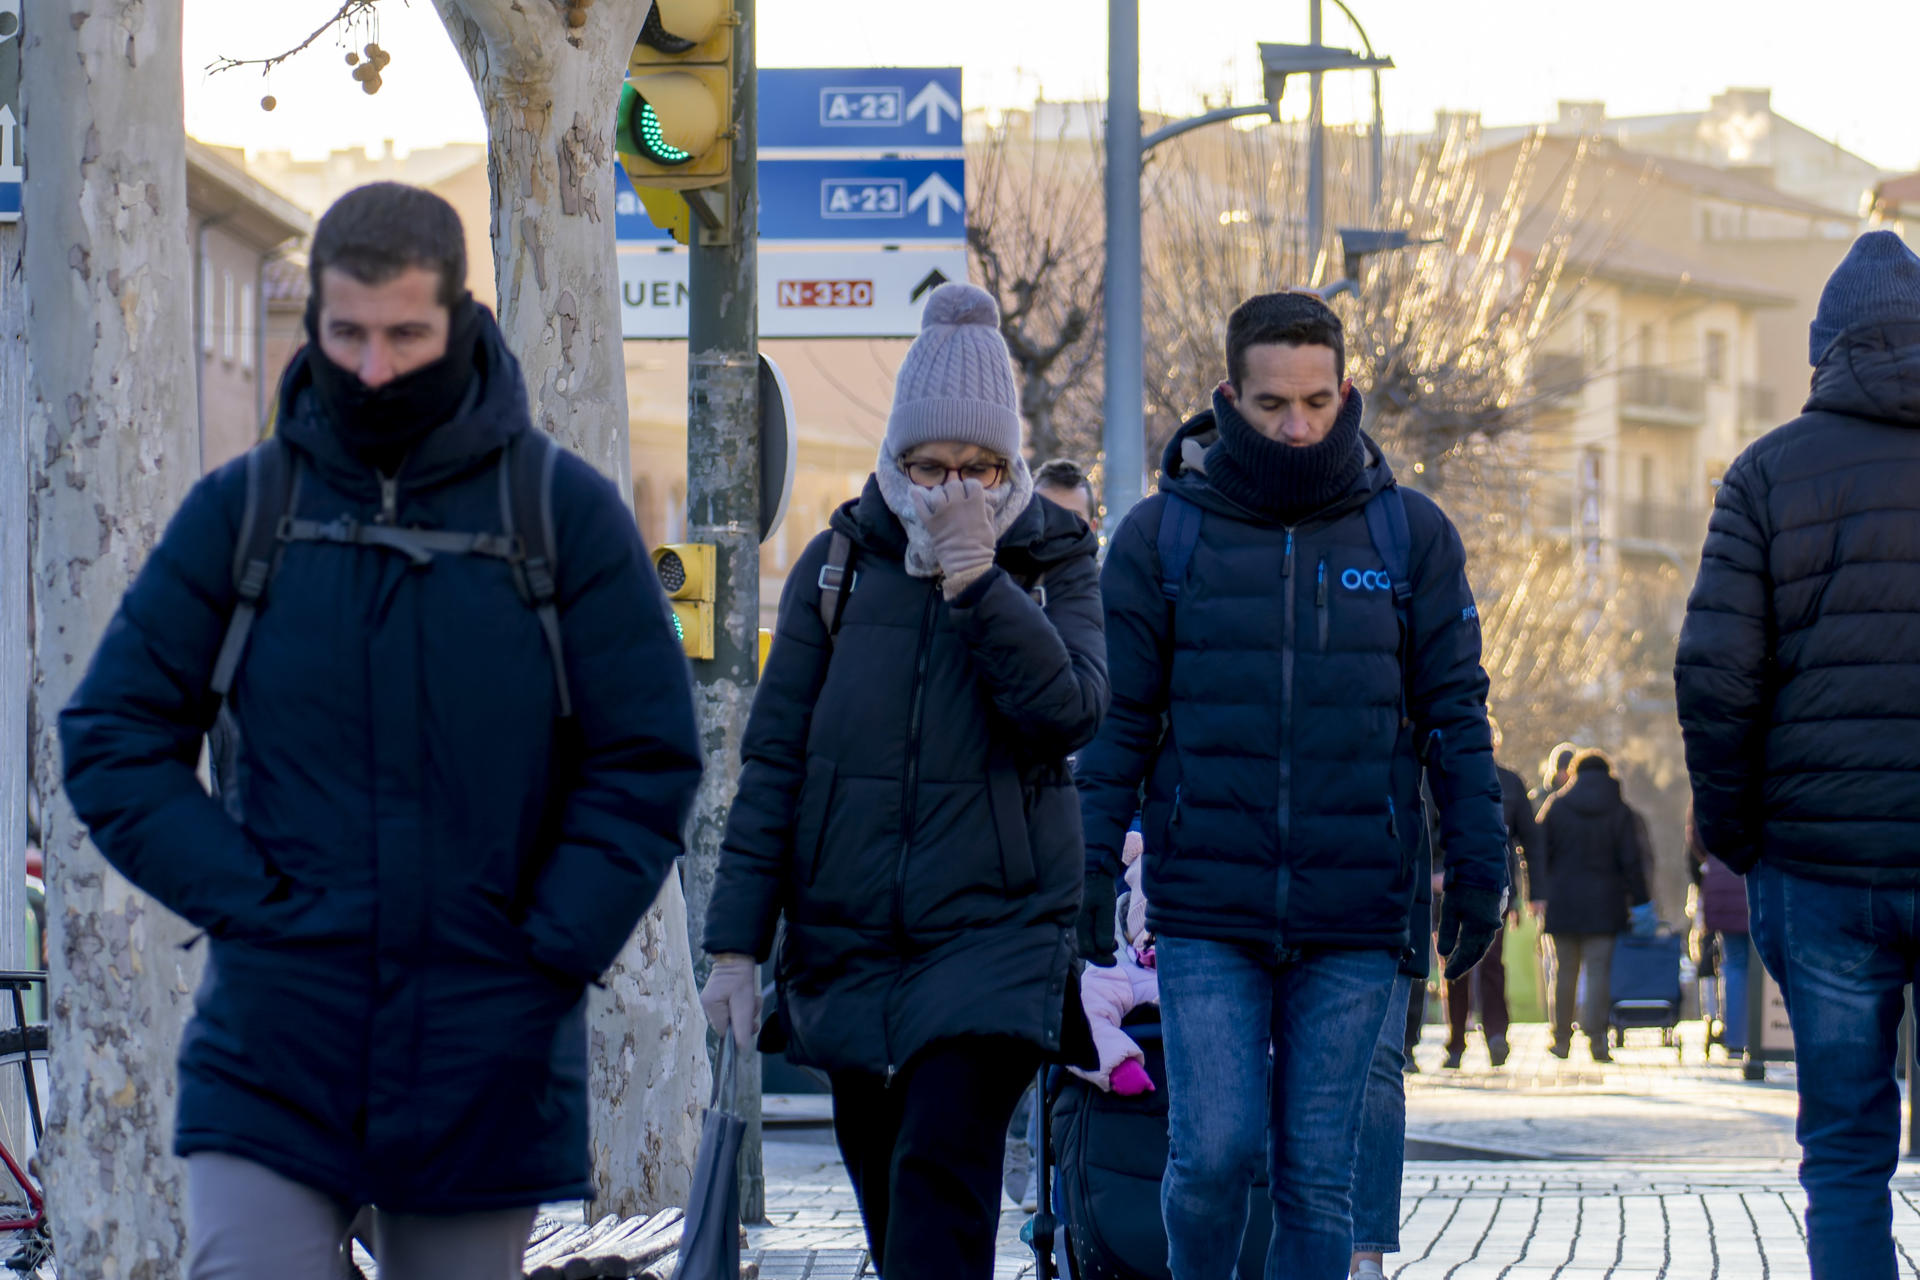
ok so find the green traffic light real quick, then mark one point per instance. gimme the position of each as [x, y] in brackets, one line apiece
[679, 628]
[653, 140]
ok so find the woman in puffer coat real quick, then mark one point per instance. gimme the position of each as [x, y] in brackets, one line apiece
[905, 803]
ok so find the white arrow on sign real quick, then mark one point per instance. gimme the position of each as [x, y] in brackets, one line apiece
[10, 170]
[935, 193]
[933, 100]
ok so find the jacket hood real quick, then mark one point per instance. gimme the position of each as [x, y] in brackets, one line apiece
[1592, 793]
[493, 413]
[1183, 471]
[1871, 370]
[1040, 537]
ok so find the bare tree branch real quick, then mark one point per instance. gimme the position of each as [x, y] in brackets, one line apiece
[349, 10]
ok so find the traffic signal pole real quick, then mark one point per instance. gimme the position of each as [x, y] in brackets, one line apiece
[1124, 431]
[723, 509]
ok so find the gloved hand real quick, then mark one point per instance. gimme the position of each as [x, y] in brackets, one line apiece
[1093, 932]
[1469, 926]
[1130, 1079]
[960, 524]
[732, 998]
[1644, 920]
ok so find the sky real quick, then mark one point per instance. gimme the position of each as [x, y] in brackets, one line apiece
[1841, 68]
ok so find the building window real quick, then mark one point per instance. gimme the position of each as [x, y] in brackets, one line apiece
[227, 317]
[1646, 478]
[1648, 354]
[1593, 340]
[247, 335]
[206, 307]
[1716, 357]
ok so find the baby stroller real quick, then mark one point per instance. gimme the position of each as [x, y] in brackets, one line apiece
[1101, 1158]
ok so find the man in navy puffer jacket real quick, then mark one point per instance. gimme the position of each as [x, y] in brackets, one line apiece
[430, 860]
[1282, 818]
[1798, 681]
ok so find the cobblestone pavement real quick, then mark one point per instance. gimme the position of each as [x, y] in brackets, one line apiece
[1658, 1165]
[1461, 1220]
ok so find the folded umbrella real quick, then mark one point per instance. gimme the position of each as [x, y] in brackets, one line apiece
[710, 1242]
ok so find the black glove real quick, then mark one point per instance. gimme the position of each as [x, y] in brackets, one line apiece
[1093, 931]
[1469, 926]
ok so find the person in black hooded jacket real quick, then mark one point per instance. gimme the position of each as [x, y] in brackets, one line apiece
[905, 803]
[1798, 684]
[1592, 864]
[1281, 702]
[419, 860]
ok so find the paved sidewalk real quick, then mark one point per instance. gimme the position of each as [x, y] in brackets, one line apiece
[1649, 1104]
[1462, 1220]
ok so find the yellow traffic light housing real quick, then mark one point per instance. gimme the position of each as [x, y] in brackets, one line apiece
[687, 572]
[674, 129]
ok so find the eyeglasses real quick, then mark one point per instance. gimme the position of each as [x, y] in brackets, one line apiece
[929, 475]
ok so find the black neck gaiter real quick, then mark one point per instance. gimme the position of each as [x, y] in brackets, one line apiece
[382, 425]
[1281, 481]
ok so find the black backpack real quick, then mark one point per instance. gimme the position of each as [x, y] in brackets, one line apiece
[268, 526]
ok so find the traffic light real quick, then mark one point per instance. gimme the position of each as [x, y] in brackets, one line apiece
[686, 572]
[674, 130]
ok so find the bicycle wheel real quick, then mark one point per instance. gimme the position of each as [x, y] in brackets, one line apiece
[23, 1052]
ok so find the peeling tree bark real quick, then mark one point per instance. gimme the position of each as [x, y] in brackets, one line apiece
[112, 447]
[548, 92]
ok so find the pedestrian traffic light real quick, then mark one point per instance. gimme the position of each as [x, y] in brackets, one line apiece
[686, 572]
[674, 130]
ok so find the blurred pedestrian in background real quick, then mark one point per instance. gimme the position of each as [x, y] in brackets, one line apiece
[1593, 874]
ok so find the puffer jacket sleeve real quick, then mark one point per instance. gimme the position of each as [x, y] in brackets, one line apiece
[1447, 696]
[745, 906]
[1138, 661]
[1722, 676]
[1107, 996]
[619, 828]
[131, 734]
[1045, 668]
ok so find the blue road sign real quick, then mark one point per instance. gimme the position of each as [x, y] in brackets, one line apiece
[869, 199]
[860, 108]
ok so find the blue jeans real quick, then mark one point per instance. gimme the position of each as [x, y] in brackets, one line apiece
[1231, 1103]
[1381, 1153]
[1733, 987]
[1841, 954]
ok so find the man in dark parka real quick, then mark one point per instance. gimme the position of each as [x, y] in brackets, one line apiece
[431, 863]
[1280, 703]
[1799, 694]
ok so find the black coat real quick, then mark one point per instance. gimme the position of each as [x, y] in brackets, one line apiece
[905, 800]
[432, 865]
[1283, 802]
[1799, 666]
[1523, 835]
[1592, 859]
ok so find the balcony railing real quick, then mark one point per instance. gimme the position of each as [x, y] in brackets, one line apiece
[1679, 528]
[1667, 395]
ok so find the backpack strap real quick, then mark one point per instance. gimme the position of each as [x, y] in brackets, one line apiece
[273, 487]
[526, 513]
[1179, 533]
[836, 581]
[1386, 513]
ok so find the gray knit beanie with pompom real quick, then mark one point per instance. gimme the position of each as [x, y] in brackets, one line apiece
[956, 383]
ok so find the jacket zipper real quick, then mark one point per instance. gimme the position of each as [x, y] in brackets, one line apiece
[1283, 880]
[1320, 601]
[389, 497]
[909, 785]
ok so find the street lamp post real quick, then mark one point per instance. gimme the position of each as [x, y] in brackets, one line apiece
[1123, 434]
